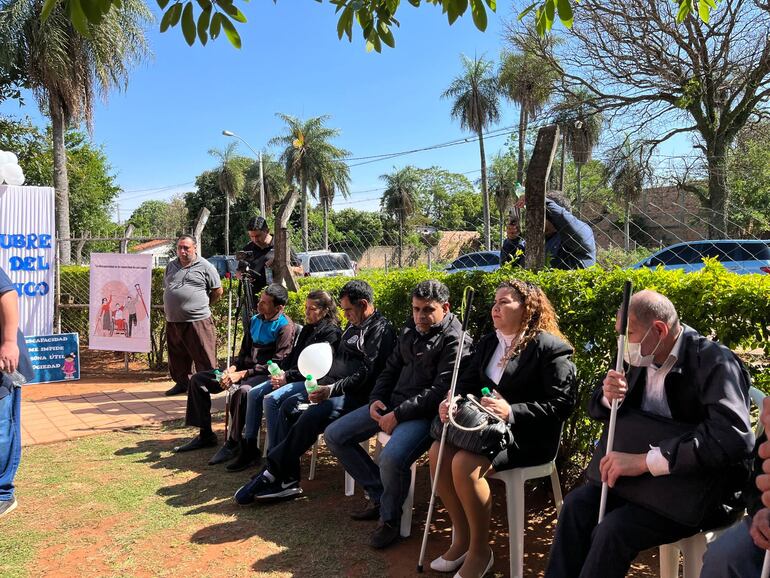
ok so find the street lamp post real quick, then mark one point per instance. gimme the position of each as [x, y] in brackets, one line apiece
[261, 176]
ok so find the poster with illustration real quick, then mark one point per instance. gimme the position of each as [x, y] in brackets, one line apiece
[119, 311]
[54, 357]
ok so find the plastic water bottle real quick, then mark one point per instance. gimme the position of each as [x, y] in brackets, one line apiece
[17, 378]
[268, 275]
[218, 374]
[519, 190]
[273, 369]
[310, 383]
[486, 393]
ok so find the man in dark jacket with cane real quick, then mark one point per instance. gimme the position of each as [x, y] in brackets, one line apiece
[682, 445]
[403, 403]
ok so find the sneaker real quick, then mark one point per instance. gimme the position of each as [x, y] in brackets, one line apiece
[226, 453]
[370, 512]
[177, 389]
[8, 506]
[278, 489]
[198, 443]
[245, 494]
[385, 535]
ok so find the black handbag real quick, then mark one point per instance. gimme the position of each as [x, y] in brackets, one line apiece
[686, 499]
[492, 437]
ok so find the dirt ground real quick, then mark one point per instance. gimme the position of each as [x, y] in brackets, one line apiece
[193, 545]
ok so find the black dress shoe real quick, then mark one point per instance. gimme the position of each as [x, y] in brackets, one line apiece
[198, 443]
[177, 389]
[385, 535]
[370, 512]
[225, 453]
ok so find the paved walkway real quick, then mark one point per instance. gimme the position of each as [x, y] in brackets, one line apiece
[57, 412]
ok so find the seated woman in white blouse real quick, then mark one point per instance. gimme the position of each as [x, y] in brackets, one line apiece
[526, 363]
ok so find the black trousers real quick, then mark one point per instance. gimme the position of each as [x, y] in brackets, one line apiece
[188, 343]
[583, 549]
[198, 414]
[283, 459]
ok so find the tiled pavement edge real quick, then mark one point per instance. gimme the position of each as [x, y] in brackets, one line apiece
[71, 416]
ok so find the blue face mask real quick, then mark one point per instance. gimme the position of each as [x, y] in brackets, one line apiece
[266, 332]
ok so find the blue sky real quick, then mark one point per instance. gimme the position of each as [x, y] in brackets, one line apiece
[158, 132]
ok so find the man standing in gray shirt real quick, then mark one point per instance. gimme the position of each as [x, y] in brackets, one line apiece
[190, 285]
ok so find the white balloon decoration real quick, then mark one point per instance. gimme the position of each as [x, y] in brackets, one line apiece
[10, 171]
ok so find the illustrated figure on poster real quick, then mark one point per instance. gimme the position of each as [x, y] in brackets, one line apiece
[105, 317]
[69, 366]
[131, 311]
[119, 318]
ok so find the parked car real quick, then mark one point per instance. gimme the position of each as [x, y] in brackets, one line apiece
[326, 264]
[486, 261]
[224, 264]
[737, 255]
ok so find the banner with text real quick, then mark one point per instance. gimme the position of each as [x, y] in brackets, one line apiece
[54, 357]
[119, 309]
[28, 252]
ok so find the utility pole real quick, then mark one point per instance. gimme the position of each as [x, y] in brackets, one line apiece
[261, 187]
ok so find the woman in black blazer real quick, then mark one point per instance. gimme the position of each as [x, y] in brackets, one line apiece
[526, 363]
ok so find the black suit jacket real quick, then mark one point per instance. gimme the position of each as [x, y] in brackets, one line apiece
[708, 387]
[540, 386]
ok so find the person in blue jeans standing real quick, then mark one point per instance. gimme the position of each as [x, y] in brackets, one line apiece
[13, 358]
[403, 403]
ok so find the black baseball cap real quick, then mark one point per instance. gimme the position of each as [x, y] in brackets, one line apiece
[257, 224]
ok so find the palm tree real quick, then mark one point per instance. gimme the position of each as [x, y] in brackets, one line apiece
[333, 177]
[230, 180]
[476, 105]
[527, 80]
[306, 155]
[581, 127]
[400, 197]
[625, 172]
[65, 70]
[502, 183]
[273, 180]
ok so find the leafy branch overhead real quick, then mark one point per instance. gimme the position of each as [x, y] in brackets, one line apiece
[207, 19]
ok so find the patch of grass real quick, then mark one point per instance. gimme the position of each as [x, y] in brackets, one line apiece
[120, 504]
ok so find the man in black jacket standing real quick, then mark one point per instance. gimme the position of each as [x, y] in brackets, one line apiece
[363, 349]
[402, 404]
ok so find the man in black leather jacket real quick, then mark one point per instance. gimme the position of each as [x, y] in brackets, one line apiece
[683, 379]
[364, 346]
[403, 403]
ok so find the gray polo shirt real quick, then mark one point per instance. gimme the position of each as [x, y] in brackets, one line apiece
[186, 290]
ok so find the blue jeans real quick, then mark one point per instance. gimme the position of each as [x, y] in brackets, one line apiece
[276, 426]
[254, 408]
[10, 439]
[387, 483]
[734, 554]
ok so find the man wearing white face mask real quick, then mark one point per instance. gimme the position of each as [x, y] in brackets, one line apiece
[682, 447]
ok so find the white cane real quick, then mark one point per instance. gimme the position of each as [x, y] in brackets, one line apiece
[453, 385]
[619, 369]
[229, 341]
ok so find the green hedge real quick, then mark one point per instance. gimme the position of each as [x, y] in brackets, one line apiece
[735, 309]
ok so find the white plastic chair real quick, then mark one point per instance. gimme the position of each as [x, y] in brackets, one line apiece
[350, 483]
[694, 547]
[406, 510]
[514, 497]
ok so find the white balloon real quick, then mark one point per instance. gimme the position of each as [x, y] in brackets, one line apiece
[2, 173]
[14, 175]
[316, 360]
[7, 158]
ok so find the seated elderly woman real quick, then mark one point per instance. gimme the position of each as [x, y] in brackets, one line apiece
[526, 363]
[321, 325]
